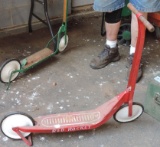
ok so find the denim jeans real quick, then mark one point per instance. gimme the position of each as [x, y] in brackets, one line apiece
[141, 5]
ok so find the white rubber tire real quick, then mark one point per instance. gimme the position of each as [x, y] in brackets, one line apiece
[122, 114]
[7, 68]
[63, 44]
[15, 120]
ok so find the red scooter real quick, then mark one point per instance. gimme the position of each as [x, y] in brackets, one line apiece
[121, 107]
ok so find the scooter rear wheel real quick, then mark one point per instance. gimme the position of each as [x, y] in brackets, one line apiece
[7, 68]
[122, 114]
[16, 120]
[63, 43]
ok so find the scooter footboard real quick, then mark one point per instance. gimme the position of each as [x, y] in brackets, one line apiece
[38, 56]
[77, 121]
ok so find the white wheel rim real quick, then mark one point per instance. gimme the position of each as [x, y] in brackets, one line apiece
[63, 44]
[16, 120]
[122, 114]
[8, 69]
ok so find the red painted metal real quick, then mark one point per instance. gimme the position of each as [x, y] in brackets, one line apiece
[74, 121]
[87, 120]
[136, 61]
[28, 140]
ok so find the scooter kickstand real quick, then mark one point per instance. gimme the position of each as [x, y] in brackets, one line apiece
[27, 140]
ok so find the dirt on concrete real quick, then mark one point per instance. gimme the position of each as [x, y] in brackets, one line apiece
[66, 83]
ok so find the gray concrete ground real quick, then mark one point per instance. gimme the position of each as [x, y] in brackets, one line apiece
[78, 87]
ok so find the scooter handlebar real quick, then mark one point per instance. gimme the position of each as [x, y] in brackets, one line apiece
[148, 25]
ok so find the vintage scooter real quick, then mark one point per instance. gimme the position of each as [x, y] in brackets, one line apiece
[20, 125]
[11, 68]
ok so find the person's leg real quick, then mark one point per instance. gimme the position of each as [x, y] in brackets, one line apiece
[112, 9]
[143, 6]
[134, 36]
[112, 32]
[110, 52]
[134, 29]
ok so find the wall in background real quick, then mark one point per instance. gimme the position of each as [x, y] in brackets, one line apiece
[15, 13]
[76, 3]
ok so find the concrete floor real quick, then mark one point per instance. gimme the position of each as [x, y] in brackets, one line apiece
[78, 87]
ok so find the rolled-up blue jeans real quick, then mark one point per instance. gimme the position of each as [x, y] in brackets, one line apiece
[141, 5]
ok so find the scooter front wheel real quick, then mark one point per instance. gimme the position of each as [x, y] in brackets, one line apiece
[63, 43]
[7, 68]
[16, 120]
[122, 114]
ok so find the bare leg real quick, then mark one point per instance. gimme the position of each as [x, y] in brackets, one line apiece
[134, 36]
[112, 30]
[134, 29]
[110, 52]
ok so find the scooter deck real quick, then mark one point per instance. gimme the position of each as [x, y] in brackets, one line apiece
[38, 56]
[76, 121]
